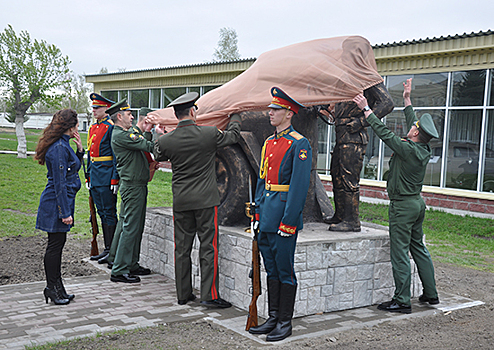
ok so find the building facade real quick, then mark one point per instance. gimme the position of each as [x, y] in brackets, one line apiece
[452, 80]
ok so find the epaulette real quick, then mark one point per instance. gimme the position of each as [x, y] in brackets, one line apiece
[405, 140]
[296, 135]
[111, 122]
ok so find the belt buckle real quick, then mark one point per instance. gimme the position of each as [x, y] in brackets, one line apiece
[268, 187]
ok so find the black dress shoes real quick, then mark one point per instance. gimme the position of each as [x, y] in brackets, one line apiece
[394, 306]
[216, 303]
[104, 259]
[125, 278]
[141, 271]
[109, 265]
[191, 297]
[431, 301]
[99, 256]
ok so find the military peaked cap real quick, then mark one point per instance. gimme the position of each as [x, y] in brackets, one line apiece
[282, 100]
[185, 101]
[119, 106]
[427, 125]
[100, 101]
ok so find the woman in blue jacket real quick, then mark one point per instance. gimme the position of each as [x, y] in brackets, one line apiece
[56, 205]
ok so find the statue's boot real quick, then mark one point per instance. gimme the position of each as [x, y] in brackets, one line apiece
[339, 207]
[351, 222]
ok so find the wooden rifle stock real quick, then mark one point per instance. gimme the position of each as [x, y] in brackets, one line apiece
[256, 285]
[94, 226]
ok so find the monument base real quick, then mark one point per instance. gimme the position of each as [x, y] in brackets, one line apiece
[335, 270]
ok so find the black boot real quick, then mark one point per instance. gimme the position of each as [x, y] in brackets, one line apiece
[351, 221]
[54, 294]
[108, 233]
[283, 328]
[339, 207]
[63, 292]
[273, 305]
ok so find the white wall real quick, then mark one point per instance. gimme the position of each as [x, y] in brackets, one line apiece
[40, 121]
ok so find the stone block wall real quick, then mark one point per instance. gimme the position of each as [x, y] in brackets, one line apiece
[335, 271]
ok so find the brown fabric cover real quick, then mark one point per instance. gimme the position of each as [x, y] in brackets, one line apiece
[315, 72]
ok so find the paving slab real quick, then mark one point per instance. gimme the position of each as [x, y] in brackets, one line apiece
[102, 306]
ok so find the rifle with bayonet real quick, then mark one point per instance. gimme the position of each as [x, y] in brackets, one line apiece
[92, 217]
[255, 272]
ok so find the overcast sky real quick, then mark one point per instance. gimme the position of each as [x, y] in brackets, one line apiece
[140, 34]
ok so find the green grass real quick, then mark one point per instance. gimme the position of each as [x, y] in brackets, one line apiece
[23, 180]
[465, 241]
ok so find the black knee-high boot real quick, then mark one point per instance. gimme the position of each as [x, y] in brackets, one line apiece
[273, 305]
[283, 328]
[53, 264]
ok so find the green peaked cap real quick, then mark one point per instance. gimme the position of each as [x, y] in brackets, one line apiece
[428, 126]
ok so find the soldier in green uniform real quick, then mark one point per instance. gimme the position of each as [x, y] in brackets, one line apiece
[135, 268]
[129, 145]
[191, 148]
[407, 168]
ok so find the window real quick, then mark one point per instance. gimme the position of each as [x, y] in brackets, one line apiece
[468, 88]
[428, 90]
[170, 94]
[463, 149]
[111, 95]
[155, 99]
[139, 98]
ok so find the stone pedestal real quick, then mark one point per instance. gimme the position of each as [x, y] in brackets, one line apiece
[335, 271]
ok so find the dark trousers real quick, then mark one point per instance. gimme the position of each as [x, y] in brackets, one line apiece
[106, 203]
[278, 254]
[53, 257]
[204, 222]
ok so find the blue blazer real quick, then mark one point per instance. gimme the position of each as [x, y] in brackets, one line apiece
[58, 199]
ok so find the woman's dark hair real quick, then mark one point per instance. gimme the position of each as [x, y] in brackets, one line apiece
[62, 121]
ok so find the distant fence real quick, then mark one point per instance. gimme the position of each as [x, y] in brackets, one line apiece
[41, 120]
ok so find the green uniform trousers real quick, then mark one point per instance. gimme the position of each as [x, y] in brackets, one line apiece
[405, 232]
[204, 222]
[133, 217]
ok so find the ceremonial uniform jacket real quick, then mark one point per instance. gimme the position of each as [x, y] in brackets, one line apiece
[192, 151]
[102, 166]
[58, 199]
[129, 147]
[408, 163]
[286, 160]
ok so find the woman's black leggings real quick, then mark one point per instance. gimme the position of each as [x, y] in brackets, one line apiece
[53, 257]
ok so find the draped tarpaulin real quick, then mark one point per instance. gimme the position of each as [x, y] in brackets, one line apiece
[315, 72]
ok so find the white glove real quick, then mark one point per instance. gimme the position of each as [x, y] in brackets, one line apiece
[88, 185]
[256, 225]
[114, 189]
[283, 234]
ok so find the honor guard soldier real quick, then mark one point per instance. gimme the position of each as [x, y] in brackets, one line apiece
[102, 171]
[130, 143]
[407, 168]
[191, 149]
[282, 186]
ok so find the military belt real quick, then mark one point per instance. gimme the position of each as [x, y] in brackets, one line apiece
[101, 159]
[277, 188]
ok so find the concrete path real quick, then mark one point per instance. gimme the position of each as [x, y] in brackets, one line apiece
[103, 306]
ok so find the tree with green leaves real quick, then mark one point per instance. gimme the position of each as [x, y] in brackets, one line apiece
[30, 70]
[227, 46]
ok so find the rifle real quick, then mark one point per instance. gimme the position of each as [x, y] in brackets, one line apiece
[255, 272]
[92, 217]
